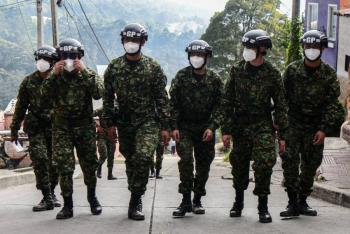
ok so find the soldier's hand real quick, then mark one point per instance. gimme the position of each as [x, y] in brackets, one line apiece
[165, 137]
[176, 135]
[79, 65]
[208, 135]
[282, 146]
[226, 139]
[58, 67]
[14, 137]
[319, 138]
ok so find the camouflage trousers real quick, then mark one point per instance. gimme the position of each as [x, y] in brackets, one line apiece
[83, 139]
[137, 145]
[257, 145]
[194, 154]
[159, 158]
[106, 150]
[40, 150]
[301, 161]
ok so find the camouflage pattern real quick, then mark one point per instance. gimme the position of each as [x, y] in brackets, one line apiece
[106, 148]
[246, 108]
[38, 128]
[312, 100]
[159, 157]
[142, 110]
[194, 108]
[73, 125]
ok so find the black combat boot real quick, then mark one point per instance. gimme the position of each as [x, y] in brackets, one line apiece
[304, 208]
[264, 215]
[152, 173]
[56, 202]
[135, 208]
[46, 203]
[236, 210]
[185, 206]
[110, 174]
[99, 172]
[95, 206]
[292, 209]
[197, 207]
[158, 176]
[67, 210]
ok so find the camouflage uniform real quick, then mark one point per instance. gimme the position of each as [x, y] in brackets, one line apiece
[38, 122]
[106, 148]
[312, 100]
[247, 117]
[194, 103]
[142, 111]
[159, 157]
[73, 125]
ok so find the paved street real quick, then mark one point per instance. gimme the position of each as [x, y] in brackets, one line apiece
[160, 199]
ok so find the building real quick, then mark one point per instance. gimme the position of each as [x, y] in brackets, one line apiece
[2, 121]
[8, 114]
[321, 15]
[344, 45]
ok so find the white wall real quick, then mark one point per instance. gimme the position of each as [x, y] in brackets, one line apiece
[344, 49]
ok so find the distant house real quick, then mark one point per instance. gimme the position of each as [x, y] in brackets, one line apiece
[320, 15]
[344, 44]
[2, 121]
[8, 114]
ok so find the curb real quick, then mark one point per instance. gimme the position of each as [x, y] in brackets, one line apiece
[331, 194]
[17, 179]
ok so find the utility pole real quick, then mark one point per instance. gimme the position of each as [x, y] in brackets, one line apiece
[39, 22]
[54, 23]
[296, 9]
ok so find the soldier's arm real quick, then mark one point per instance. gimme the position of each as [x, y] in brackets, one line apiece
[215, 121]
[161, 98]
[330, 105]
[20, 109]
[228, 101]
[174, 100]
[280, 104]
[49, 87]
[95, 85]
[108, 98]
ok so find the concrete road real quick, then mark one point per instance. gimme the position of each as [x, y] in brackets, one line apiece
[160, 200]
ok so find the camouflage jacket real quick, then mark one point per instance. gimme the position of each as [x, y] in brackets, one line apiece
[72, 94]
[139, 91]
[29, 98]
[248, 97]
[311, 96]
[195, 102]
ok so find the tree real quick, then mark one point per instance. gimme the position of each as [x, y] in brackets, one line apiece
[226, 29]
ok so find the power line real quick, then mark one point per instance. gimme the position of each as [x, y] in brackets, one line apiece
[25, 27]
[14, 3]
[93, 31]
[15, 6]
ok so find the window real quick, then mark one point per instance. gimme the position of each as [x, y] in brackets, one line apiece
[312, 16]
[332, 22]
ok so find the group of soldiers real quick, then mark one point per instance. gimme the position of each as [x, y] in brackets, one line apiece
[255, 103]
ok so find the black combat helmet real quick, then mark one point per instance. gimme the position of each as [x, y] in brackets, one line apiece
[314, 37]
[199, 46]
[134, 31]
[257, 38]
[70, 46]
[46, 52]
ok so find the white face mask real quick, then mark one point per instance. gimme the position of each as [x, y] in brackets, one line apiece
[131, 47]
[43, 65]
[249, 54]
[69, 65]
[312, 54]
[197, 61]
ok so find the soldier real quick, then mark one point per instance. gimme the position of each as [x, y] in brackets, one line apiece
[159, 161]
[253, 84]
[106, 147]
[312, 90]
[71, 87]
[195, 99]
[38, 127]
[142, 102]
